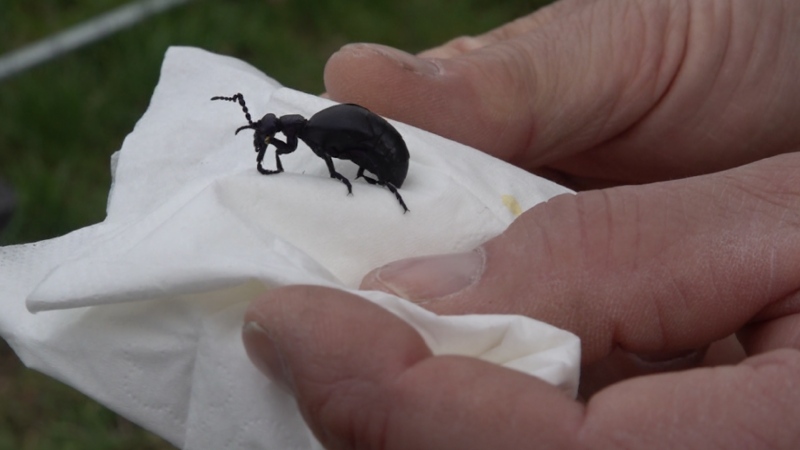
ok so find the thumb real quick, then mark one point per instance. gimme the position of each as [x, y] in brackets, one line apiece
[533, 91]
[656, 268]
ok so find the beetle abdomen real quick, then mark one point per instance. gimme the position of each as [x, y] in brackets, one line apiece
[354, 133]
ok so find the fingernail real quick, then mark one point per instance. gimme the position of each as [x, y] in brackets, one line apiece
[265, 355]
[405, 60]
[432, 277]
[668, 361]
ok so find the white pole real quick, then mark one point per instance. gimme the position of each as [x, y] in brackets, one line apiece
[81, 34]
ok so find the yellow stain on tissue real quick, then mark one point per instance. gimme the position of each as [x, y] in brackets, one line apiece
[512, 204]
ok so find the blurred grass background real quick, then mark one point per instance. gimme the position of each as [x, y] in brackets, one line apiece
[60, 123]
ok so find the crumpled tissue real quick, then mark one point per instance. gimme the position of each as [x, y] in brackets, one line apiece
[143, 311]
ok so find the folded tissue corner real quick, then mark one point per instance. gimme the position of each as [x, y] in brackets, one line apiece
[143, 311]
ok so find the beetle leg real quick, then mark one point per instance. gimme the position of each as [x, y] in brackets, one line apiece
[337, 175]
[260, 159]
[391, 187]
[368, 179]
[281, 148]
[284, 147]
[388, 185]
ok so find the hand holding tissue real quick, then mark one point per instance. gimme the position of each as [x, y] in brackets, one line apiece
[144, 311]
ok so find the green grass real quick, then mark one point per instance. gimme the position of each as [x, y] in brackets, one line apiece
[60, 122]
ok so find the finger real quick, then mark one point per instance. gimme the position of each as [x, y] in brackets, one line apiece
[657, 268]
[518, 27]
[782, 332]
[566, 85]
[364, 379]
[744, 406]
[776, 326]
[621, 365]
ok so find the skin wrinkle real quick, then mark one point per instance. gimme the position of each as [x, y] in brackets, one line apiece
[727, 33]
[783, 222]
[740, 36]
[610, 107]
[683, 34]
[671, 284]
[609, 224]
[771, 277]
[524, 158]
[639, 70]
[759, 190]
[782, 49]
[529, 87]
[549, 54]
[716, 287]
[720, 198]
[613, 86]
[660, 66]
[583, 230]
[336, 400]
[701, 25]
[638, 234]
[682, 206]
[497, 111]
[573, 303]
[683, 297]
[620, 317]
[744, 36]
[668, 85]
[642, 67]
[522, 85]
[749, 55]
[548, 213]
[714, 282]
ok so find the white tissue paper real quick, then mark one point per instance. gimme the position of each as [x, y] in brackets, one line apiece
[143, 312]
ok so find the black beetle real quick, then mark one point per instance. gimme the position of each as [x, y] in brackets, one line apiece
[345, 131]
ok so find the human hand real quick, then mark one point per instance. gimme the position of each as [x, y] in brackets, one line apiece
[363, 378]
[653, 271]
[598, 93]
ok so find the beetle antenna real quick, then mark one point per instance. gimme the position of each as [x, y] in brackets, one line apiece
[252, 126]
[240, 99]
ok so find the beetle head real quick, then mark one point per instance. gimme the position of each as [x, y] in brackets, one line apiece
[265, 130]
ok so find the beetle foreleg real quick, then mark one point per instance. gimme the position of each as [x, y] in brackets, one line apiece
[264, 171]
[260, 159]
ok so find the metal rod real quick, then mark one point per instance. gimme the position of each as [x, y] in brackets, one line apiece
[82, 34]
